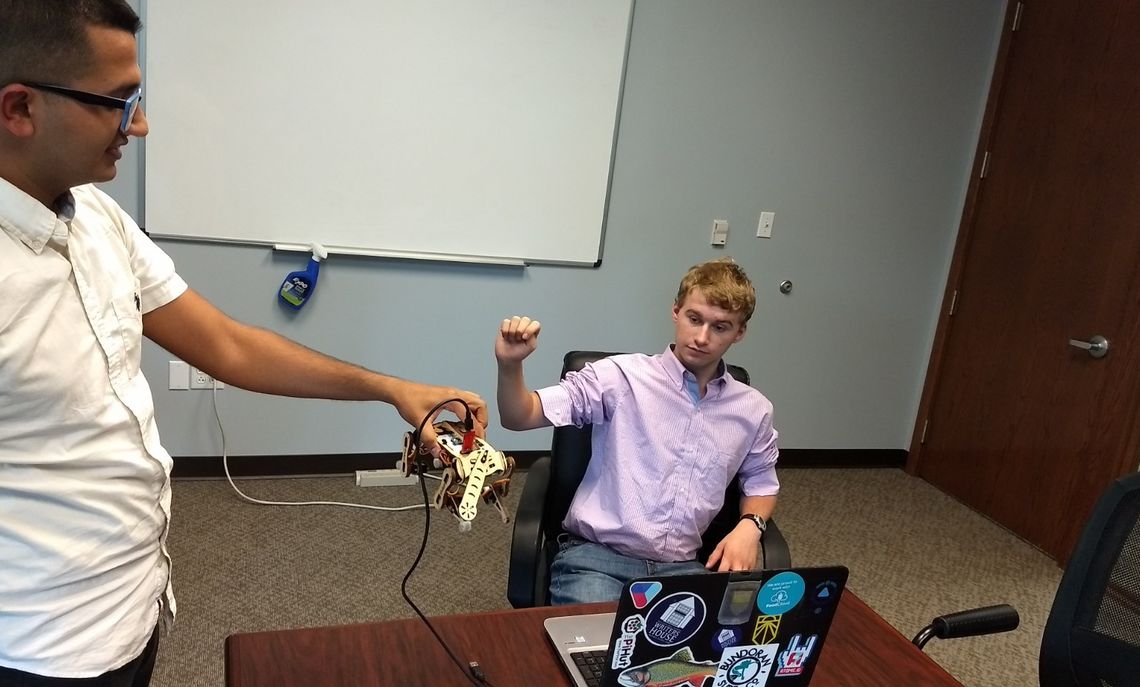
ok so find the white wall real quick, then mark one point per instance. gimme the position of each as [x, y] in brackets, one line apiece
[854, 121]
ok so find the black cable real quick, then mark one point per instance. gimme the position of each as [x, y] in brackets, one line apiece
[472, 672]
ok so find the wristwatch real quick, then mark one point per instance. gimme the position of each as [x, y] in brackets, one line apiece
[756, 520]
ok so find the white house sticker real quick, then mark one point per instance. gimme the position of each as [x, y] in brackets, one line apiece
[674, 619]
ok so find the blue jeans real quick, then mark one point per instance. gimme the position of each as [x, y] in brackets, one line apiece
[585, 572]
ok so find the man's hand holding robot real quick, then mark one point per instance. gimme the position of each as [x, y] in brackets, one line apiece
[471, 469]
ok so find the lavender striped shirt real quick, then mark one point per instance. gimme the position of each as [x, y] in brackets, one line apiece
[660, 462]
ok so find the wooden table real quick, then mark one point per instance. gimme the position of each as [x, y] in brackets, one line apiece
[862, 650]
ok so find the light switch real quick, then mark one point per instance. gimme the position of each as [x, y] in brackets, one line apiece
[764, 228]
[719, 232]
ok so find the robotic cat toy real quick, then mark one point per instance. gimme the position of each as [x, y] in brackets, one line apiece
[472, 469]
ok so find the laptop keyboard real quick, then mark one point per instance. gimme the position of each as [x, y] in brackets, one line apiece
[591, 664]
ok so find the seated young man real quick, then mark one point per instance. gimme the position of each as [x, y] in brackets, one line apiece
[671, 431]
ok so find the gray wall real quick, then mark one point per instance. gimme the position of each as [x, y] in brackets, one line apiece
[854, 121]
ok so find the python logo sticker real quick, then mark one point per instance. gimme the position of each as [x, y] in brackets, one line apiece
[643, 593]
[745, 666]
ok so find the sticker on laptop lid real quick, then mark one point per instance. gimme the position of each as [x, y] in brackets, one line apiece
[780, 594]
[675, 619]
[824, 594]
[736, 604]
[643, 593]
[745, 666]
[791, 661]
[627, 642]
[728, 636]
[679, 669]
[767, 627]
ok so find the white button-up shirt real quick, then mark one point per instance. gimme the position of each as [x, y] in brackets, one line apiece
[84, 482]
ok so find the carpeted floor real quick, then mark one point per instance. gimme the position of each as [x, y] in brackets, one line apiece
[913, 553]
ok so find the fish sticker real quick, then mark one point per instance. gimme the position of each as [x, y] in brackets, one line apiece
[678, 670]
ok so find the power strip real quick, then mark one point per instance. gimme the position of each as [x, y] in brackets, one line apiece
[384, 478]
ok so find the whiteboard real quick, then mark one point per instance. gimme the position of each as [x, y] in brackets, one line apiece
[419, 128]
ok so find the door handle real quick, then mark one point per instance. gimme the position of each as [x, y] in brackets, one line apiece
[1096, 346]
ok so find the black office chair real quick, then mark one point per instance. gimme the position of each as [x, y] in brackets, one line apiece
[550, 486]
[1092, 636]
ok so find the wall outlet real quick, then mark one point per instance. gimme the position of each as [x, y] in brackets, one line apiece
[201, 380]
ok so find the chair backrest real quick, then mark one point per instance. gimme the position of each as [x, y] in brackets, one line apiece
[1092, 636]
[570, 453]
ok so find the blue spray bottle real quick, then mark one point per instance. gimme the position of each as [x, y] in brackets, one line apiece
[299, 286]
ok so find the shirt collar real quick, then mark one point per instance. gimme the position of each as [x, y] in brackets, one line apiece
[677, 372]
[26, 219]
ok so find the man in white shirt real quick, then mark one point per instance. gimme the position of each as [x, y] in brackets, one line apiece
[84, 481]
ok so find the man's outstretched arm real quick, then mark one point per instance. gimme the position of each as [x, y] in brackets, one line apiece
[260, 360]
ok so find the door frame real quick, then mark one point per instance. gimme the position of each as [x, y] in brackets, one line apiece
[1130, 455]
[962, 243]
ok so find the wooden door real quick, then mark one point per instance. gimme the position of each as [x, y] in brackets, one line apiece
[1018, 423]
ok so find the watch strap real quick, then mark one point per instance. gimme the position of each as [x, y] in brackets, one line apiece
[756, 520]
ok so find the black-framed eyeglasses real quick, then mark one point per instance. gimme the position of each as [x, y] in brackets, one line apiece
[129, 105]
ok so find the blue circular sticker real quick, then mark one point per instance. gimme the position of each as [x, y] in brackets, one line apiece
[674, 619]
[780, 594]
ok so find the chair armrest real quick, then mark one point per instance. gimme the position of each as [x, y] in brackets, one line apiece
[774, 549]
[972, 623]
[526, 569]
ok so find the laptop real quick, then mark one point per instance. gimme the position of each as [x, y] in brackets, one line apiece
[705, 630]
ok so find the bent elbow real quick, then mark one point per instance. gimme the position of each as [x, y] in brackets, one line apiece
[512, 424]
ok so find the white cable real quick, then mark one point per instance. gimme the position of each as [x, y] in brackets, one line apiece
[226, 468]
